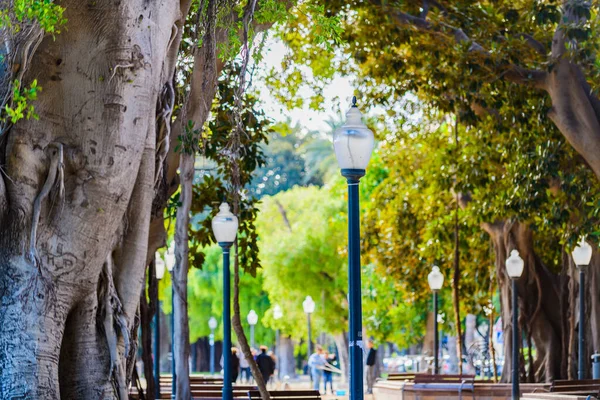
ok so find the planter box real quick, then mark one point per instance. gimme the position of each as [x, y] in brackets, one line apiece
[395, 390]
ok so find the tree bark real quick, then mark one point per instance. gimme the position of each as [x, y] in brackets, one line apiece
[67, 327]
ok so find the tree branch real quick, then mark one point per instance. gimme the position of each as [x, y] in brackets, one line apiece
[284, 215]
[532, 42]
[510, 72]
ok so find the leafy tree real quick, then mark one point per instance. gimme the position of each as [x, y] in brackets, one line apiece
[498, 71]
[302, 249]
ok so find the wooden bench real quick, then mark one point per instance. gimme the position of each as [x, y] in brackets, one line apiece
[287, 395]
[592, 386]
[401, 376]
[460, 383]
[203, 391]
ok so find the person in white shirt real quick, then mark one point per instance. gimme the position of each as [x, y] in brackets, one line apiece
[316, 363]
[244, 368]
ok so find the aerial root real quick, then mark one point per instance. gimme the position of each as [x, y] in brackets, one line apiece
[111, 316]
[56, 170]
[166, 104]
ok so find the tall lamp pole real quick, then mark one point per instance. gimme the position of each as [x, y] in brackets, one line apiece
[170, 261]
[353, 144]
[277, 315]
[159, 266]
[225, 226]
[309, 307]
[212, 324]
[514, 268]
[582, 255]
[436, 280]
[252, 320]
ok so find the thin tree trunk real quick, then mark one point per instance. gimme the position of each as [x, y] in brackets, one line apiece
[239, 330]
[456, 290]
[147, 313]
[181, 338]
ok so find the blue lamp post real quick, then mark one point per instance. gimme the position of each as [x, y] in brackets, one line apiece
[353, 144]
[436, 280]
[224, 226]
[514, 268]
[582, 255]
[212, 324]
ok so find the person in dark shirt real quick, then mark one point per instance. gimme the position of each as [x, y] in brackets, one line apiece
[235, 365]
[265, 363]
[371, 361]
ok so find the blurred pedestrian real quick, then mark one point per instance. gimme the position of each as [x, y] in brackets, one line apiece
[371, 361]
[265, 363]
[235, 364]
[316, 362]
[330, 360]
[244, 368]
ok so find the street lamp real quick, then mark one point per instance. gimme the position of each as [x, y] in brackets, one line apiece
[224, 226]
[436, 280]
[212, 324]
[309, 307]
[582, 255]
[159, 268]
[252, 320]
[277, 315]
[170, 263]
[353, 144]
[514, 268]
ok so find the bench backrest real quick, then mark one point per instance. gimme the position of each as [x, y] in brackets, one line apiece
[565, 385]
[401, 376]
[426, 378]
[287, 394]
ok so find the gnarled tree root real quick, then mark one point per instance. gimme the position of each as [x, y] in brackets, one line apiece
[56, 169]
[112, 321]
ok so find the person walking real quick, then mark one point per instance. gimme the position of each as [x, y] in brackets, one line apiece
[327, 372]
[371, 360]
[235, 365]
[244, 369]
[316, 362]
[265, 363]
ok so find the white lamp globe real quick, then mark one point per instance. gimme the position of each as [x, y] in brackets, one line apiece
[353, 142]
[159, 265]
[309, 305]
[514, 265]
[225, 225]
[252, 317]
[212, 323]
[277, 312]
[435, 279]
[582, 254]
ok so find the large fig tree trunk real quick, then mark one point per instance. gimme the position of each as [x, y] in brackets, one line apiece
[539, 301]
[287, 363]
[75, 194]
